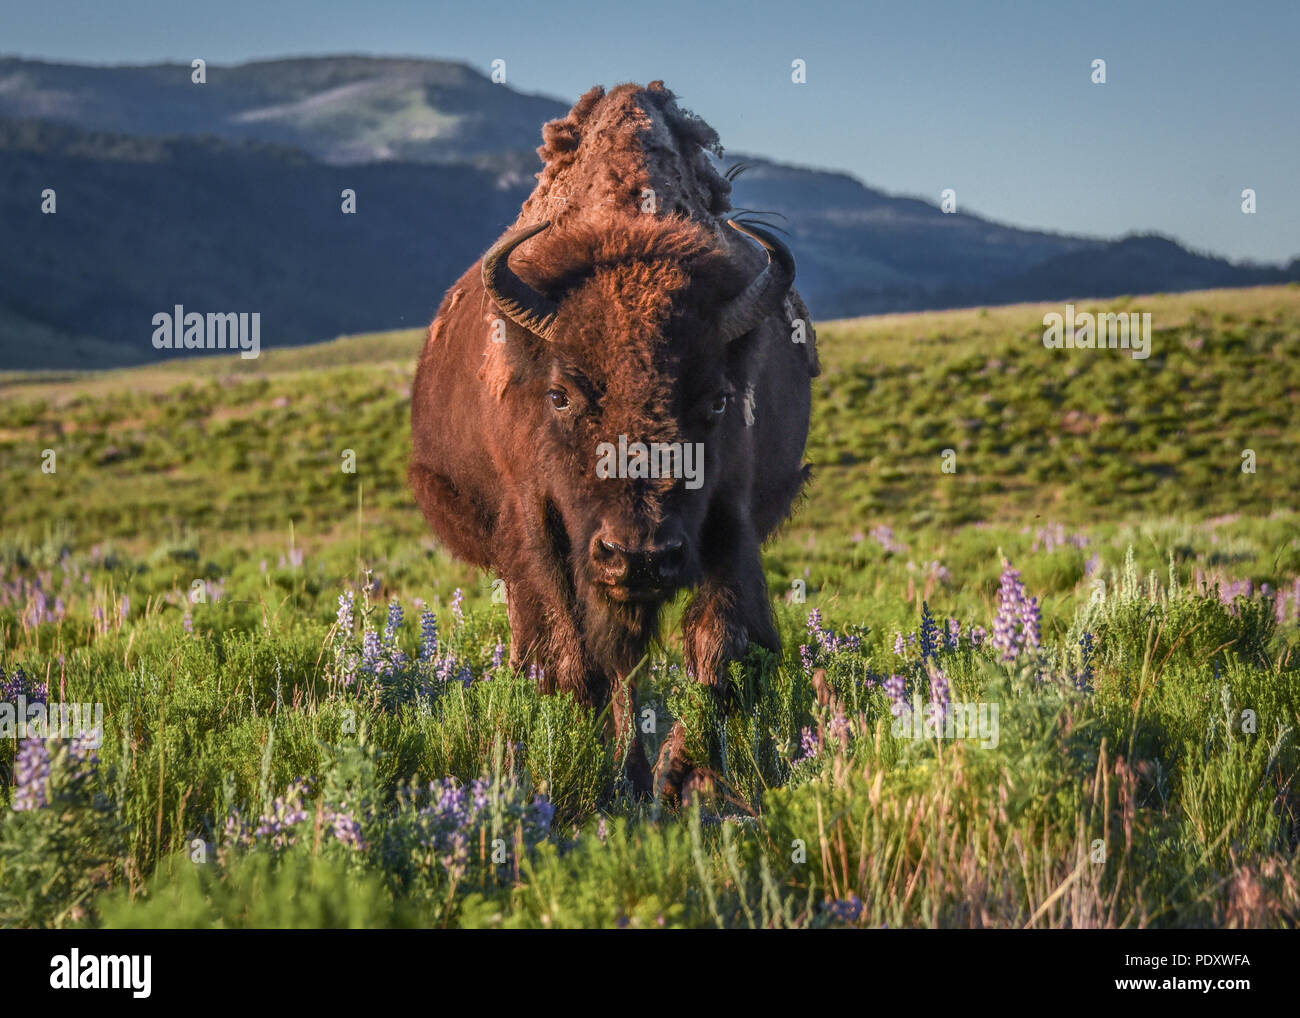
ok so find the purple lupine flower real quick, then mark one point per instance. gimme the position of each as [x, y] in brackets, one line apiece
[940, 691]
[498, 655]
[543, 814]
[846, 910]
[938, 571]
[954, 634]
[978, 634]
[428, 635]
[841, 728]
[1084, 679]
[825, 640]
[810, 743]
[19, 683]
[287, 813]
[31, 775]
[900, 645]
[1016, 628]
[372, 655]
[188, 621]
[929, 633]
[885, 536]
[347, 829]
[895, 688]
[1031, 617]
[346, 612]
[395, 616]
[237, 830]
[457, 603]
[814, 625]
[807, 657]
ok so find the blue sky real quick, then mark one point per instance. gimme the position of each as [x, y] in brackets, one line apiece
[991, 99]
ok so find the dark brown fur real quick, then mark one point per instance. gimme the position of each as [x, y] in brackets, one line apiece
[508, 482]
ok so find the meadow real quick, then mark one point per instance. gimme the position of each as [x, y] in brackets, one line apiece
[308, 722]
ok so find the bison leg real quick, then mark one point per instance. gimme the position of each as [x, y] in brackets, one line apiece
[542, 633]
[624, 716]
[729, 612]
[456, 519]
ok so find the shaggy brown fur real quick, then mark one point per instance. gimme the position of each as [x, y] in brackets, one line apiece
[505, 471]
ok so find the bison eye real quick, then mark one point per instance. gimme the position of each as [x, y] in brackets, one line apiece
[719, 406]
[559, 399]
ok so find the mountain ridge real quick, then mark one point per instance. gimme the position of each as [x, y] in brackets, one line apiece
[241, 207]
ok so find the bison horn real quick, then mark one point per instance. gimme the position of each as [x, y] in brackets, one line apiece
[520, 302]
[765, 294]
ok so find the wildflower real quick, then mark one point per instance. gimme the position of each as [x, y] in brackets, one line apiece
[895, 688]
[940, 691]
[346, 612]
[428, 635]
[394, 621]
[840, 727]
[457, 603]
[885, 537]
[287, 812]
[347, 829]
[1084, 679]
[372, 655]
[1016, 628]
[929, 633]
[846, 910]
[19, 683]
[32, 775]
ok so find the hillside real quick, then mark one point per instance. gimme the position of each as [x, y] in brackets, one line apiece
[1070, 436]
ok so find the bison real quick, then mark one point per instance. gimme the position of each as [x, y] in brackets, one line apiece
[612, 406]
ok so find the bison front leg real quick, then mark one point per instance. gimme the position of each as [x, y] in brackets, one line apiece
[543, 636]
[729, 612]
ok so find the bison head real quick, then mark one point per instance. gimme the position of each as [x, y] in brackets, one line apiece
[630, 363]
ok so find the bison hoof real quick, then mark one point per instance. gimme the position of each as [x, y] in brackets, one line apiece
[677, 778]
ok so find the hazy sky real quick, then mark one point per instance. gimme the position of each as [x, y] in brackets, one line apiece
[992, 99]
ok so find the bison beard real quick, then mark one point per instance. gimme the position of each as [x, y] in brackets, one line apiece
[594, 320]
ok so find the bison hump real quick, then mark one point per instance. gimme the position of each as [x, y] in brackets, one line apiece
[616, 151]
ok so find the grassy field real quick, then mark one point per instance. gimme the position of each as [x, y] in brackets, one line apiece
[1094, 579]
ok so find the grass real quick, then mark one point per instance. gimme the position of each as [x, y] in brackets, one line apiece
[183, 563]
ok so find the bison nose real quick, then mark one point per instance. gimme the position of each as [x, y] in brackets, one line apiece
[638, 565]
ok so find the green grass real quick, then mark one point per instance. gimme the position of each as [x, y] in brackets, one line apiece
[1162, 794]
